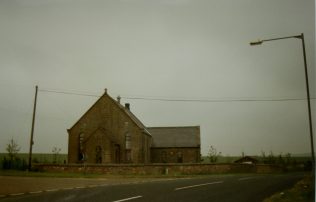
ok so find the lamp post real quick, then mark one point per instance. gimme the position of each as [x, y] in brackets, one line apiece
[301, 36]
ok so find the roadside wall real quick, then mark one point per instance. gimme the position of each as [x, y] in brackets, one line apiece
[158, 169]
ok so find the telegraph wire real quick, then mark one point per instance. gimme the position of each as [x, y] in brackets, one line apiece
[213, 100]
[68, 93]
[180, 100]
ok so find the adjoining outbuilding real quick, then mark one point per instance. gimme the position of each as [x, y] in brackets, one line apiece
[175, 144]
[109, 133]
[246, 160]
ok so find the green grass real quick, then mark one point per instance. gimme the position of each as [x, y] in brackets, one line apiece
[45, 174]
[231, 159]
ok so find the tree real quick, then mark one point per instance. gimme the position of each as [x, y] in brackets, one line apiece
[280, 159]
[288, 158]
[271, 158]
[213, 154]
[55, 154]
[264, 157]
[12, 149]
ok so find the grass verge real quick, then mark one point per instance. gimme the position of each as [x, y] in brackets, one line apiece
[46, 174]
[302, 191]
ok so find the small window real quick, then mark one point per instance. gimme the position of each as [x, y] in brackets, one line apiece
[128, 155]
[164, 157]
[179, 157]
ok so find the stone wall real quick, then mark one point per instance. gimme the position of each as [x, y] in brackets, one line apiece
[158, 169]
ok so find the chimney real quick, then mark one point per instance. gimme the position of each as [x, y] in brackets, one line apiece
[106, 91]
[127, 106]
[118, 99]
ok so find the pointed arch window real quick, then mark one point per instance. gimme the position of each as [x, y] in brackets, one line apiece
[98, 154]
[128, 147]
[128, 140]
[81, 147]
[81, 138]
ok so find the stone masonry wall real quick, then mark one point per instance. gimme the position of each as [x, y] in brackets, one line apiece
[175, 155]
[103, 125]
[158, 169]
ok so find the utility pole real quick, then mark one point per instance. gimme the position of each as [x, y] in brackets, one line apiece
[32, 130]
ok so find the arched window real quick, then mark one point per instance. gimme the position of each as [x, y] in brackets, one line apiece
[81, 153]
[81, 138]
[128, 141]
[128, 147]
[98, 154]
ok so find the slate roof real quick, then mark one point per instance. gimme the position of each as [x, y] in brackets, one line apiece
[186, 136]
[131, 115]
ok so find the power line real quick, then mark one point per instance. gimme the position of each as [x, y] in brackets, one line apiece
[181, 100]
[68, 93]
[214, 100]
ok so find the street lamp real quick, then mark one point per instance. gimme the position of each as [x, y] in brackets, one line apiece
[301, 36]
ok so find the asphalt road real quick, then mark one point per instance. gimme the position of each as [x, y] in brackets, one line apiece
[215, 188]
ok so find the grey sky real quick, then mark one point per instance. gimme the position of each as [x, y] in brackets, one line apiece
[178, 49]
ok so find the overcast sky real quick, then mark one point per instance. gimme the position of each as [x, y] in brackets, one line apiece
[174, 49]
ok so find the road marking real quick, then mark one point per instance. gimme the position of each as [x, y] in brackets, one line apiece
[80, 187]
[245, 178]
[68, 188]
[51, 190]
[93, 185]
[198, 185]
[17, 194]
[35, 192]
[127, 199]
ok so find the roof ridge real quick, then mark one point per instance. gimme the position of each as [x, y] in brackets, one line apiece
[196, 126]
[130, 114]
[126, 111]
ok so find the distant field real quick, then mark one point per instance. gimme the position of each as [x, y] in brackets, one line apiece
[221, 159]
[231, 159]
[39, 157]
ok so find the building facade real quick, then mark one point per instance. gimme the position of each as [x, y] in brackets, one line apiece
[109, 133]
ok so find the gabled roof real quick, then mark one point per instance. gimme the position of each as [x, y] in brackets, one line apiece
[187, 136]
[131, 115]
[126, 111]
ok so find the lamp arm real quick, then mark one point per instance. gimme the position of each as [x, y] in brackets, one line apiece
[287, 37]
